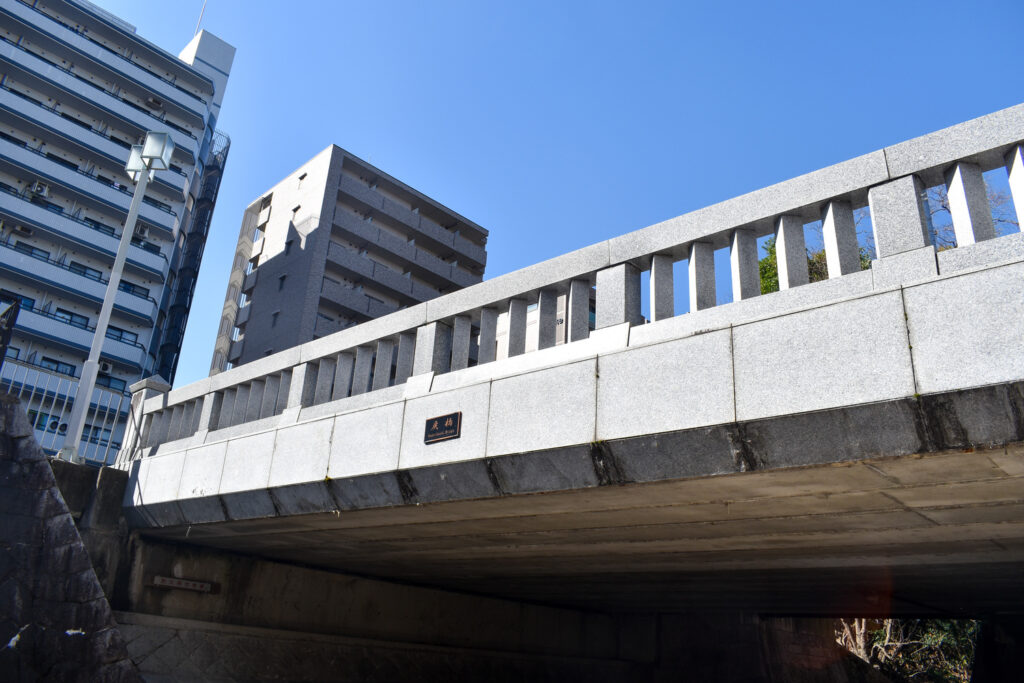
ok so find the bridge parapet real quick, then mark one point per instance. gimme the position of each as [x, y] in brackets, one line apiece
[446, 342]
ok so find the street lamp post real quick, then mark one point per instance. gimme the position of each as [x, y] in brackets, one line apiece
[143, 162]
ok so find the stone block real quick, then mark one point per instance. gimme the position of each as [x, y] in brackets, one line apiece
[200, 475]
[907, 266]
[366, 441]
[839, 232]
[453, 481]
[301, 453]
[487, 344]
[543, 409]
[559, 469]
[255, 504]
[790, 252]
[344, 365]
[433, 349]
[898, 216]
[302, 499]
[547, 313]
[369, 491]
[247, 463]
[675, 455]
[618, 296]
[1014, 161]
[662, 287]
[966, 331]
[847, 353]
[472, 401]
[746, 276]
[968, 204]
[382, 365]
[664, 387]
[162, 477]
[406, 354]
[203, 510]
[461, 330]
[700, 270]
[516, 338]
[578, 310]
[361, 372]
[999, 250]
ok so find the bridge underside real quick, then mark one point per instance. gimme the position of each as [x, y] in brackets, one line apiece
[907, 507]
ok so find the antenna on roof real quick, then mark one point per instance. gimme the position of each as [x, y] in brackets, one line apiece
[198, 23]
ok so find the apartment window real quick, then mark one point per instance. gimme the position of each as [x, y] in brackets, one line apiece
[280, 282]
[324, 316]
[257, 234]
[43, 422]
[265, 202]
[133, 288]
[12, 352]
[9, 297]
[100, 226]
[268, 352]
[82, 269]
[273, 318]
[57, 366]
[96, 435]
[63, 162]
[250, 267]
[34, 252]
[114, 383]
[72, 318]
[122, 335]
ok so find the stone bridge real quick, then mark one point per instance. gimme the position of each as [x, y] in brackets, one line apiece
[847, 446]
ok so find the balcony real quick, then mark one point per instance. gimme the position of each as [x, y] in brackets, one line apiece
[79, 182]
[358, 267]
[242, 317]
[424, 265]
[76, 86]
[58, 275]
[145, 81]
[80, 233]
[60, 332]
[354, 301]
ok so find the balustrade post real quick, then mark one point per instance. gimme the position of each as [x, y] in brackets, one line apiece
[1015, 173]
[433, 349]
[362, 371]
[898, 216]
[271, 387]
[344, 365]
[968, 204]
[790, 252]
[326, 367]
[406, 354]
[663, 301]
[227, 408]
[461, 331]
[241, 404]
[254, 406]
[487, 344]
[547, 318]
[302, 386]
[746, 275]
[516, 327]
[701, 272]
[210, 412]
[578, 312]
[136, 431]
[382, 368]
[618, 296]
[839, 232]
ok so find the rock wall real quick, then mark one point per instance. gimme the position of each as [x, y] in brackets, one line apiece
[55, 622]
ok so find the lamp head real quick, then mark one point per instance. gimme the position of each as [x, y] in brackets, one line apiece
[157, 151]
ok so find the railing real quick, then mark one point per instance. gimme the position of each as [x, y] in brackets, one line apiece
[459, 330]
[49, 396]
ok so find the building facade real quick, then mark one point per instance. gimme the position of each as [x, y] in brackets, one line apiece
[336, 243]
[78, 87]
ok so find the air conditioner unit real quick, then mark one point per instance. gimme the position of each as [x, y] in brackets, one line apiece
[23, 230]
[154, 102]
[106, 367]
[41, 190]
[142, 231]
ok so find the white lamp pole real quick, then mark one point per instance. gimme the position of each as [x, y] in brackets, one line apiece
[144, 161]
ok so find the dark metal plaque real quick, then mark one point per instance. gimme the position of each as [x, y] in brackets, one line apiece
[443, 428]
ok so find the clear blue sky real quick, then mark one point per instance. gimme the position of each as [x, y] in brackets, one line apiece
[559, 124]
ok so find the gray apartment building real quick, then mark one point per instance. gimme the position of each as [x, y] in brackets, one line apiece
[79, 87]
[334, 244]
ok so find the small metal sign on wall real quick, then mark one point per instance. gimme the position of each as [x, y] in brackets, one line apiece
[443, 428]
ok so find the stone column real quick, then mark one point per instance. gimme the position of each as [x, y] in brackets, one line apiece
[701, 270]
[382, 368]
[302, 386]
[227, 408]
[663, 296]
[746, 276]
[461, 331]
[433, 349]
[516, 327]
[361, 372]
[578, 311]
[898, 216]
[271, 386]
[326, 368]
[1015, 171]
[255, 403]
[406, 353]
[174, 427]
[343, 368]
[618, 296]
[135, 435]
[968, 204]
[842, 253]
[790, 252]
[210, 411]
[488, 335]
[547, 318]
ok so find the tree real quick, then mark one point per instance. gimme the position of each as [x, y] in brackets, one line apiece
[933, 650]
[817, 268]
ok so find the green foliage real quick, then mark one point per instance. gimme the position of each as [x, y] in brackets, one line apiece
[934, 650]
[817, 267]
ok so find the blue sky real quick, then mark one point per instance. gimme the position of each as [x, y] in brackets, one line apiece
[559, 124]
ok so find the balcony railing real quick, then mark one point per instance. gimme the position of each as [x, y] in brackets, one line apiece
[439, 337]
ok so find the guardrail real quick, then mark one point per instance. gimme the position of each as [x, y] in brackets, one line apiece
[439, 336]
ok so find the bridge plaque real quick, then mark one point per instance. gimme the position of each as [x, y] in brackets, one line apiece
[443, 428]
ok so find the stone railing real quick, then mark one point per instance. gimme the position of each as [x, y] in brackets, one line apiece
[459, 330]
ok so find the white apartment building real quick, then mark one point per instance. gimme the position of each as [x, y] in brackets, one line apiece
[79, 87]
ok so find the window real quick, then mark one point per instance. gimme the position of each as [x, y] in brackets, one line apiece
[265, 202]
[96, 435]
[133, 288]
[103, 380]
[251, 266]
[63, 162]
[280, 282]
[268, 352]
[12, 352]
[273, 318]
[257, 234]
[71, 318]
[100, 226]
[7, 296]
[122, 335]
[236, 334]
[82, 269]
[288, 247]
[34, 252]
[46, 422]
[57, 366]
